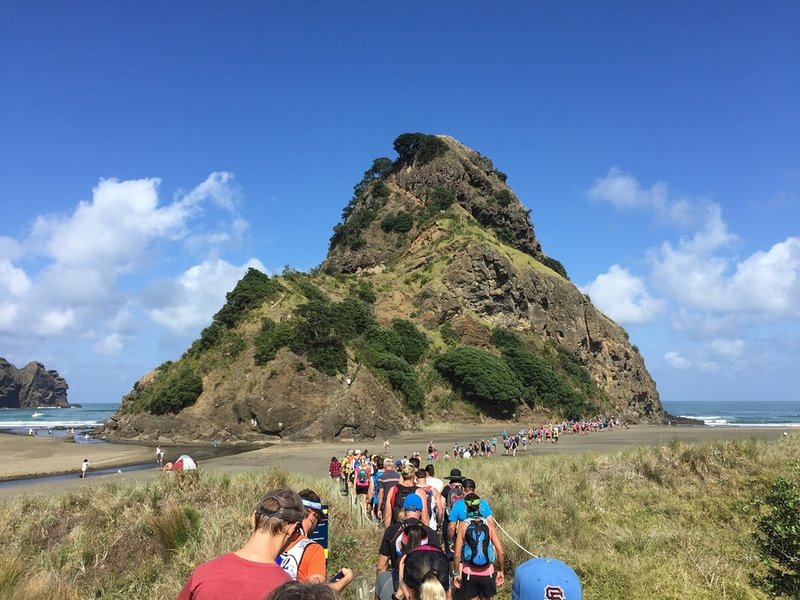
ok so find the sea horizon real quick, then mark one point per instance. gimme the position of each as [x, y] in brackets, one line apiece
[714, 413]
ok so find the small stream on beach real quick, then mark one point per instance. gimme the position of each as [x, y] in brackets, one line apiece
[198, 453]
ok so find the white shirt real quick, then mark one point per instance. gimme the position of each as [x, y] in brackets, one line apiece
[435, 483]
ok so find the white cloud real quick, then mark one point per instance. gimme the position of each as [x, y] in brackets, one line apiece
[10, 249]
[55, 322]
[190, 300]
[78, 260]
[623, 297]
[110, 345]
[675, 360]
[623, 191]
[699, 274]
[13, 281]
[730, 349]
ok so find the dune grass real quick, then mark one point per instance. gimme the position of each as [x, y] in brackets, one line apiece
[656, 523]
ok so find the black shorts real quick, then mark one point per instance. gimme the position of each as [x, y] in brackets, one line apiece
[361, 491]
[478, 586]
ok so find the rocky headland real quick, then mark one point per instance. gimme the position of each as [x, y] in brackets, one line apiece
[32, 386]
[436, 302]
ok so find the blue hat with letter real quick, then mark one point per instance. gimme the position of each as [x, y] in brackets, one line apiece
[412, 502]
[546, 578]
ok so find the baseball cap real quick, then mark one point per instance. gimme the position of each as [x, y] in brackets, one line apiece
[455, 475]
[468, 483]
[545, 578]
[412, 502]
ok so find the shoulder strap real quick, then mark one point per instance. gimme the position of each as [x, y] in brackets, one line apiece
[289, 560]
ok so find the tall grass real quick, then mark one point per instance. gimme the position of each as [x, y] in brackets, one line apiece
[654, 523]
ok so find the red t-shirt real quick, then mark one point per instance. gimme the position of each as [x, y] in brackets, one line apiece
[230, 577]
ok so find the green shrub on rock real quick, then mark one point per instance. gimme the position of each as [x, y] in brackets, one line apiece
[481, 377]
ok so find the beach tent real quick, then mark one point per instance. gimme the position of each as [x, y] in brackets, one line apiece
[184, 463]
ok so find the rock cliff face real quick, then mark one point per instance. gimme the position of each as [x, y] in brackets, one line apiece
[433, 242]
[31, 387]
[288, 401]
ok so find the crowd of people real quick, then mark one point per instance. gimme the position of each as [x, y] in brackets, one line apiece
[439, 539]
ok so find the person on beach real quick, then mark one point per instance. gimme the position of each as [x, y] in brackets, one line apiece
[250, 573]
[425, 575]
[304, 559]
[295, 590]
[397, 539]
[84, 468]
[477, 548]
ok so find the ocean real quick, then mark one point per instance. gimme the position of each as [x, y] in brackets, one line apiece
[56, 420]
[715, 413]
[719, 413]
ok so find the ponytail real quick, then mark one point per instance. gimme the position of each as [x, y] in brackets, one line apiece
[431, 589]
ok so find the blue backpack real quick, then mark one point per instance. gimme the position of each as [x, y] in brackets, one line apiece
[478, 549]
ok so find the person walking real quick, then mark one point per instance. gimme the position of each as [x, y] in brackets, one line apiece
[250, 573]
[304, 559]
[477, 548]
[84, 468]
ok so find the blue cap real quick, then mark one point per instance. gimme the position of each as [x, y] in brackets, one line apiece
[412, 502]
[545, 578]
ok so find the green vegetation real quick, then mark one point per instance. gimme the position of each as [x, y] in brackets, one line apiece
[482, 378]
[777, 535]
[440, 199]
[250, 292]
[554, 378]
[504, 197]
[175, 386]
[419, 148]
[270, 339]
[391, 353]
[651, 523]
[401, 222]
[555, 265]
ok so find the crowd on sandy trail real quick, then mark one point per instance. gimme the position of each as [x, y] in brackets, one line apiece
[438, 538]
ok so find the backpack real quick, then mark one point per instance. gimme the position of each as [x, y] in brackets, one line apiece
[431, 505]
[401, 491]
[456, 494]
[478, 549]
[362, 476]
[375, 485]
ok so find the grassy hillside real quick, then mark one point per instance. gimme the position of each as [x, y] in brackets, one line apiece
[661, 523]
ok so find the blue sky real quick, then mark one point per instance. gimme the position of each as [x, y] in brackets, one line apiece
[151, 152]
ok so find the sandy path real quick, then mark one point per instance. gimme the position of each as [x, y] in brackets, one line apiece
[24, 455]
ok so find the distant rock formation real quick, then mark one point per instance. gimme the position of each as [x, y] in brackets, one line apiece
[31, 387]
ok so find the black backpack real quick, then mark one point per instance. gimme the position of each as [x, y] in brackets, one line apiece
[400, 498]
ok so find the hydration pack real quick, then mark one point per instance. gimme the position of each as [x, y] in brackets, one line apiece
[478, 549]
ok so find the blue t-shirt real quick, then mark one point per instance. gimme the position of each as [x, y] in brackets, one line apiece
[459, 511]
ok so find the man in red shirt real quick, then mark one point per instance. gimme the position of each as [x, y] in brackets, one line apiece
[304, 559]
[250, 573]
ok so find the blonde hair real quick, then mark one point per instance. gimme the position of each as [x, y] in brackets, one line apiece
[431, 589]
[426, 572]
